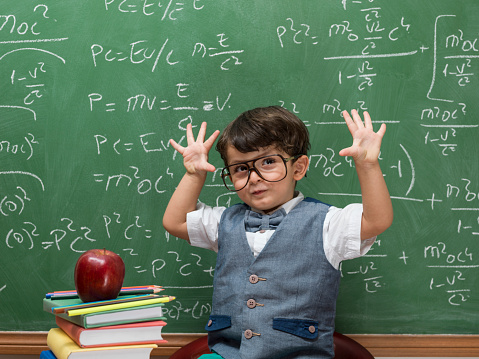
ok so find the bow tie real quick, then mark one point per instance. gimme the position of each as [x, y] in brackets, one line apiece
[255, 221]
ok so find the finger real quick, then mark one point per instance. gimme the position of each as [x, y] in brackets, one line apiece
[357, 119]
[205, 166]
[177, 147]
[202, 133]
[209, 142]
[367, 120]
[189, 134]
[349, 122]
[382, 130]
[210, 168]
[345, 152]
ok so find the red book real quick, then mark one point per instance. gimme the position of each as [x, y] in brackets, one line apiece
[114, 335]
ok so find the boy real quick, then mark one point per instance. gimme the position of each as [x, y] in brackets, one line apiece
[276, 278]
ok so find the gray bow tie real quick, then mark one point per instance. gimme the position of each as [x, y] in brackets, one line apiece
[255, 221]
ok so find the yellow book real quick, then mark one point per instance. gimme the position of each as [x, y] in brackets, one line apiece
[103, 308]
[65, 348]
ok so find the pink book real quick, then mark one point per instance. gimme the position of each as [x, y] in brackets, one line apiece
[114, 335]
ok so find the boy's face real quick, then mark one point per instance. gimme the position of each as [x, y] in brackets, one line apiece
[260, 194]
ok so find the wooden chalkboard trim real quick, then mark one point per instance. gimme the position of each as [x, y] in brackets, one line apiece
[379, 345]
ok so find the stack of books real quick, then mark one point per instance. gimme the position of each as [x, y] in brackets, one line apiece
[126, 327]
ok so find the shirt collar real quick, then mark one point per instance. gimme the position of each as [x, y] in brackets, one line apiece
[288, 206]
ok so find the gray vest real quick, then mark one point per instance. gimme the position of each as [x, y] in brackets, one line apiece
[282, 303]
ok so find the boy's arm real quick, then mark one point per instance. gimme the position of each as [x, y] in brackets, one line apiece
[185, 197]
[377, 206]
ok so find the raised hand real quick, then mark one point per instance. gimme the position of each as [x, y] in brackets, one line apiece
[366, 143]
[195, 155]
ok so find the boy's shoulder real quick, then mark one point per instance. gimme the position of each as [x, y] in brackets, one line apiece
[314, 200]
[238, 207]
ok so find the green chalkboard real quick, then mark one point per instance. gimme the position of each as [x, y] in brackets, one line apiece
[91, 92]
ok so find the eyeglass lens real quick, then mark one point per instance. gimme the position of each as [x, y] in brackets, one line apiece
[270, 168]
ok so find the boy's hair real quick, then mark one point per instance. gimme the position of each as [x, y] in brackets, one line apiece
[263, 127]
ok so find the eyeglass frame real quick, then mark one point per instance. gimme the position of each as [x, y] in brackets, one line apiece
[252, 167]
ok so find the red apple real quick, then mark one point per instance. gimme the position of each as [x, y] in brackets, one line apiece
[99, 275]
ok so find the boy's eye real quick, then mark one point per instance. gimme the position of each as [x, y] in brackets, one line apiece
[239, 169]
[269, 161]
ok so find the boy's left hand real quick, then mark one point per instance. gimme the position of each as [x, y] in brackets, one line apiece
[366, 143]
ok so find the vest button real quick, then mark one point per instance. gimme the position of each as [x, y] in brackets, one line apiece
[248, 334]
[251, 303]
[253, 279]
[210, 323]
[312, 329]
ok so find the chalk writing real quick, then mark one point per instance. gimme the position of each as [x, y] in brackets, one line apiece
[365, 75]
[23, 173]
[71, 232]
[298, 34]
[290, 106]
[199, 310]
[228, 56]
[24, 146]
[36, 89]
[147, 142]
[22, 237]
[376, 36]
[335, 106]
[132, 229]
[143, 102]
[330, 163]
[14, 26]
[14, 204]
[372, 282]
[462, 71]
[454, 282]
[368, 270]
[460, 48]
[463, 190]
[32, 49]
[34, 115]
[167, 9]
[133, 179]
[445, 125]
[468, 226]
[139, 52]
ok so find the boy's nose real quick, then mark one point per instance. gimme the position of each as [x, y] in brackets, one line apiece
[253, 176]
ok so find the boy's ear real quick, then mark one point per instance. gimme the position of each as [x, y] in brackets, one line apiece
[300, 166]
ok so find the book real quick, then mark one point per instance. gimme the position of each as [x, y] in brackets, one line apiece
[47, 354]
[126, 301]
[123, 334]
[112, 317]
[63, 347]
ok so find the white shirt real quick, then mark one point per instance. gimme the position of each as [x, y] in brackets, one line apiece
[341, 231]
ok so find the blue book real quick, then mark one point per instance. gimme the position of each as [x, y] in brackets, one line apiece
[47, 354]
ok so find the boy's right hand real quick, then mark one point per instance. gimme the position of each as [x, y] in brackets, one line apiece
[195, 155]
